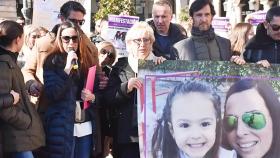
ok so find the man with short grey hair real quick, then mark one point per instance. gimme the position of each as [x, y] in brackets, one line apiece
[166, 33]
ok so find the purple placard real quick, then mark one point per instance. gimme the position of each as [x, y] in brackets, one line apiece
[122, 21]
[221, 24]
[118, 25]
[257, 17]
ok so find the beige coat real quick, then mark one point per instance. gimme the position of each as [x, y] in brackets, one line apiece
[21, 126]
[33, 68]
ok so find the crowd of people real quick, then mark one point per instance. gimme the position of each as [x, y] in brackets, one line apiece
[43, 94]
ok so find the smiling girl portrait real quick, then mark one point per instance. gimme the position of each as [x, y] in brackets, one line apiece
[190, 123]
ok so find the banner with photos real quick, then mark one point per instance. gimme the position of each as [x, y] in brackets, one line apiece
[184, 108]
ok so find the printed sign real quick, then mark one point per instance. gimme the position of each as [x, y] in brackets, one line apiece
[221, 26]
[256, 17]
[117, 28]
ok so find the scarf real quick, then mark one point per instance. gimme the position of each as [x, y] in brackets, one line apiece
[209, 34]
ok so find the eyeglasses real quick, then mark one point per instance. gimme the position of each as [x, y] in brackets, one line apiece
[109, 53]
[254, 120]
[35, 36]
[139, 40]
[274, 27]
[79, 22]
[66, 39]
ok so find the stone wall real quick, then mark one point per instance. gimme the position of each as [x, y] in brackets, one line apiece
[8, 9]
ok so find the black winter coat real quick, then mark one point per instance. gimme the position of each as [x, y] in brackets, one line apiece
[175, 34]
[62, 91]
[20, 124]
[262, 47]
[124, 103]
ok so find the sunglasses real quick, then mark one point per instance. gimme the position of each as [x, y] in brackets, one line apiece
[140, 40]
[66, 39]
[274, 27]
[109, 53]
[79, 22]
[254, 120]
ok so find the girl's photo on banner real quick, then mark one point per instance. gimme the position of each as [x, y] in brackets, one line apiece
[190, 109]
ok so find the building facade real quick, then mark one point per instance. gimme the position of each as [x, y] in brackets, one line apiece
[235, 10]
[8, 9]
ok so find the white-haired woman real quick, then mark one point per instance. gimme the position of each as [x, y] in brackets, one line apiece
[123, 85]
[139, 43]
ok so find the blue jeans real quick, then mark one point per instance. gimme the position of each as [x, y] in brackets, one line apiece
[83, 146]
[24, 154]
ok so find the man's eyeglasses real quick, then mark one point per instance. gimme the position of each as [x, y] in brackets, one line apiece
[139, 40]
[109, 53]
[254, 120]
[274, 27]
[66, 39]
[79, 22]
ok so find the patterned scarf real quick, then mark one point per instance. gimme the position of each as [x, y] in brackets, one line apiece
[209, 34]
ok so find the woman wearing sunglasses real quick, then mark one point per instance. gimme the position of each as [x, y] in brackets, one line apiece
[106, 53]
[69, 129]
[251, 119]
[107, 56]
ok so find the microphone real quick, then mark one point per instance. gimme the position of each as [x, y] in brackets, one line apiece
[74, 62]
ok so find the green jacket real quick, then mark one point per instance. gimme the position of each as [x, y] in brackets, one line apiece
[20, 124]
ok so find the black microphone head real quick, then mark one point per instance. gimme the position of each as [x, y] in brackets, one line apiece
[74, 62]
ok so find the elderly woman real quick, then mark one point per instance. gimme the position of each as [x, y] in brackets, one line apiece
[139, 43]
[122, 89]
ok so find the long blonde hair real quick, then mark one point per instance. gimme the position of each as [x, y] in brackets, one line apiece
[27, 33]
[239, 37]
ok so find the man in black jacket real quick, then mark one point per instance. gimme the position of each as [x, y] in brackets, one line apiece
[264, 47]
[166, 33]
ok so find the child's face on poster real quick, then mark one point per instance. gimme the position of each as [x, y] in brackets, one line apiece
[249, 142]
[193, 123]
